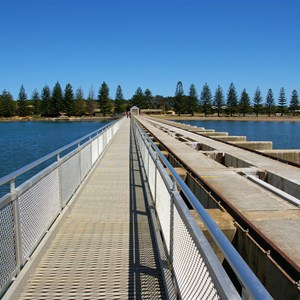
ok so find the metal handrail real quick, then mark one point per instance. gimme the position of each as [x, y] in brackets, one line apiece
[13, 175]
[239, 266]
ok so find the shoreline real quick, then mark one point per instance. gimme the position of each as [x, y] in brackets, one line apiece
[249, 118]
[58, 119]
[262, 118]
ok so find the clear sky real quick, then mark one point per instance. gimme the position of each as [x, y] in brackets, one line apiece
[150, 44]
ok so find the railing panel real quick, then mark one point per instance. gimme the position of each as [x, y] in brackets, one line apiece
[146, 162]
[95, 153]
[39, 205]
[8, 259]
[70, 177]
[163, 205]
[85, 160]
[100, 144]
[151, 177]
[192, 275]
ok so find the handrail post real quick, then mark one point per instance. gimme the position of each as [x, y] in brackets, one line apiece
[61, 200]
[155, 178]
[17, 226]
[171, 254]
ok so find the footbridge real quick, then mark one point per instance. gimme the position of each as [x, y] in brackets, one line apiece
[142, 209]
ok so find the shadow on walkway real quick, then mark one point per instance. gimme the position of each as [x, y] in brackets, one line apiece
[145, 277]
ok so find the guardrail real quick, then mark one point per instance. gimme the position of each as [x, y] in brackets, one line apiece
[27, 211]
[195, 267]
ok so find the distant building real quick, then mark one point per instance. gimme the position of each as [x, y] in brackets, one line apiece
[135, 111]
[170, 112]
[151, 111]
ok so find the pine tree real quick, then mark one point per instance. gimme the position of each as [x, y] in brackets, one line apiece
[79, 105]
[119, 101]
[119, 93]
[147, 99]
[7, 105]
[91, 105]
[46, 101]
[57, 101]
[244, 102]
[103, 98]
[36, 102]
[205, 99]
[282, 101]
[231, 100]
[257, 100]
[219, 100]
[138, 98]
[294, 103]
[178, 100]
[22, 103]
[69, 99]
[270, 102]
[192, 102]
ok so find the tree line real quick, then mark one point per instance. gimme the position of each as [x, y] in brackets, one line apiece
[57, 102]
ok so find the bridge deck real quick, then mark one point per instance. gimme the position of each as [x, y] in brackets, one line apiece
[105, 248]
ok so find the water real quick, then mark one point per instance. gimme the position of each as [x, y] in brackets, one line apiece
[22, 143]
[284, 135]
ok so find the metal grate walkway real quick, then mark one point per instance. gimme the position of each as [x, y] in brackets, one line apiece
[105, 248]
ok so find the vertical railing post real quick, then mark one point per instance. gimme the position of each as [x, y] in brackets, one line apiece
[61, 200]
[173, 190]
[171, 254]
[155, 178]
[79, 153]
[17, 226]
[91, 151]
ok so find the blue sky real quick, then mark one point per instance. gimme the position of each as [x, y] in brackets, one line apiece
[150, 44]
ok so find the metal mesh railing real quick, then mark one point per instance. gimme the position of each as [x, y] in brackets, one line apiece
[27, 212]
[197, 272]
[70, 177]
[193, 277]
[39, 205]
[8, 259]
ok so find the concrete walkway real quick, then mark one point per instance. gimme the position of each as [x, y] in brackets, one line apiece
[105, 249]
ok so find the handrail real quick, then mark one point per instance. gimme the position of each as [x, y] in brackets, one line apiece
[13, 175]
[239, 266]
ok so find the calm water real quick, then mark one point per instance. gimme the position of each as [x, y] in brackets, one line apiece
[24, 142]
[284, 135]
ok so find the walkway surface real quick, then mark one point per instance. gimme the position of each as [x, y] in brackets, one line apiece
[105, 248]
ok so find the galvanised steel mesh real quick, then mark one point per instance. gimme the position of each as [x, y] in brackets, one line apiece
[95, 153]
[109, 135]
[7, 244]
[146, 162]
[151, 177]
[86, 160]
[192, 275]
[39, 205]
[70, 177]
[163, 202]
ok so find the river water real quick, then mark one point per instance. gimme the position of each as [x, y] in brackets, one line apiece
[22, 143]
[284, 135]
